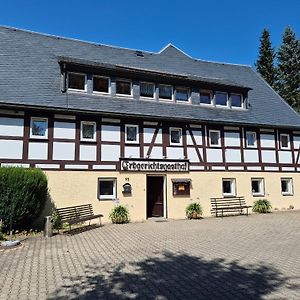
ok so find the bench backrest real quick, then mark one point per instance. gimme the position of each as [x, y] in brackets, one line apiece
[66, 214]
[219, 203]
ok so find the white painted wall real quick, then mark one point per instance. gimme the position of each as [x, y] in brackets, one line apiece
[156, 152]
[148, 135]
[38, 151]
[11, 126]
[268, 156]
[11, 149]
[214, 155]
[110, 133]
[296, 142]
[88, 152]
[251, 156]
[267, 140]
[192, 155]
[285, 157]
[110, 152]
[175, 153]
[132, 152]
[64, 130]
[232, 138]
[63, 151]
[233, 155]
[197, 135]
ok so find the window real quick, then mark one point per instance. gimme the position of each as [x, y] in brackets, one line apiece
[165, 92]
[88, 131]
[214, 137]
[175, 136]
[107, 188]
[181, 187]
[228, 187]
[182, 94]
[205, 97]
[221, 98]
[77, 81]
[284, 141]
[147, 89]
[236, 100]
[39, 128]
[123, 87]
[287, 186]
[131, 135]
[250, 139]
[100, 84]
[257, 186]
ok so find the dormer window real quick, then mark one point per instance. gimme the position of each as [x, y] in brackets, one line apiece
[100, 84]
[205, 97]
[165, 91]
[182, 94]
[147, 89]
[76, 81]
[236, 100]
[221, 98]
[123, 87]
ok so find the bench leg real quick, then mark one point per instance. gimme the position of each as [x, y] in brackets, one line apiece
[100, 221]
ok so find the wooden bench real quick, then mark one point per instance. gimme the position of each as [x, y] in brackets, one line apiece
[229, 205]
[77, 214]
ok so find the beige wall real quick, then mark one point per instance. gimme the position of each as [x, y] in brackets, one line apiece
[69, 188]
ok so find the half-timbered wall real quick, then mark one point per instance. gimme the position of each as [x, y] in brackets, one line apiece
[64, 149]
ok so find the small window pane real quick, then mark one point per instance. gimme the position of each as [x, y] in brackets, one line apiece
[251, 139]
[286, 186]
[165, 92]
[131, 133]
[205, 97]
[257, 187]
[181, 188]
[228, 187]
[284, 141]
[88, 131]
[236, 100]
[76, 81]
[39, 127]
[107, 189]
[123, 87]
[221, 99]
[100, 84]
[147, 89]
[175, 136]
[182, 94]
[214, 138]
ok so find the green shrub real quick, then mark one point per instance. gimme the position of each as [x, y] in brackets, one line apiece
[1, 233]
[23, 193]
[262, 206]
[56, 222]
[119, 215]
[193, 211]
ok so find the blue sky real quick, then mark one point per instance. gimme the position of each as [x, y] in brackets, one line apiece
[226, 31]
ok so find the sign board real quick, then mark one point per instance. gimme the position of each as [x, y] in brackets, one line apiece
[152, 165]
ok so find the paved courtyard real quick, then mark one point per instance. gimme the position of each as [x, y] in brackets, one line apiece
[255, 257]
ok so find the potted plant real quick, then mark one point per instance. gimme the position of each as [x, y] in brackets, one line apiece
[193, 211]
[262, 206]
[119, 214]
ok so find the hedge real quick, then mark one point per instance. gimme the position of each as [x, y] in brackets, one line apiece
[23, 193]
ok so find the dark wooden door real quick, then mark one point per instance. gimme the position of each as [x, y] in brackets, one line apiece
[155, 196]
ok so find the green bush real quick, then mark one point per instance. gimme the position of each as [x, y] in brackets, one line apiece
[1, 233]
[119, 215]
[193, 211]
[23, 193]
[262, 206]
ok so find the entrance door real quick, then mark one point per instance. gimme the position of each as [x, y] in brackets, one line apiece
[155, 196]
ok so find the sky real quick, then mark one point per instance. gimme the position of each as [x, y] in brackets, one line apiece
[223, 31]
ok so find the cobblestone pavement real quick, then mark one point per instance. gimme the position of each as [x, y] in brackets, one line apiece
[255, 257]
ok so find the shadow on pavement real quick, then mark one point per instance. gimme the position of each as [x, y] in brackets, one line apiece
[173, 276]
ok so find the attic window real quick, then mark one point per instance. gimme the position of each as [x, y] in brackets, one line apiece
[236, 100]
[76, 81]
[205, 97]
[139, 53]
[221, 98]
[100, 84]
[123, 87]
[165, 92]
[182, 94]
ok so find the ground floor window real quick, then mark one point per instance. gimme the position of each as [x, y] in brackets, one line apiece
[257, 187]
[229, 187]
[287, 186]
[107, 188]
[181, 187]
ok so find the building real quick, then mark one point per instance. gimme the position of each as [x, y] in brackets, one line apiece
[154, 130]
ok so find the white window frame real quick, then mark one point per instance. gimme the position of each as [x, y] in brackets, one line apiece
[289, 142]
[219, 140]
[242, 101]
[232, 187]
[172, 91]
[180, 142]
[211, 97]
[107, 197]
[255, 143]
[154, 90]
[261, 187]
[81, 131]
[77, 90]
[137, 133]
[109, 85]
[127, 80]
[188, 93]
[227, 101]
[38, 136]
[290, 185]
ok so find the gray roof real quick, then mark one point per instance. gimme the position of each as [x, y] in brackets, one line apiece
[30, 76]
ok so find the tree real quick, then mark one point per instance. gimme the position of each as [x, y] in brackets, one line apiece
[289, 69]
[265, 62]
